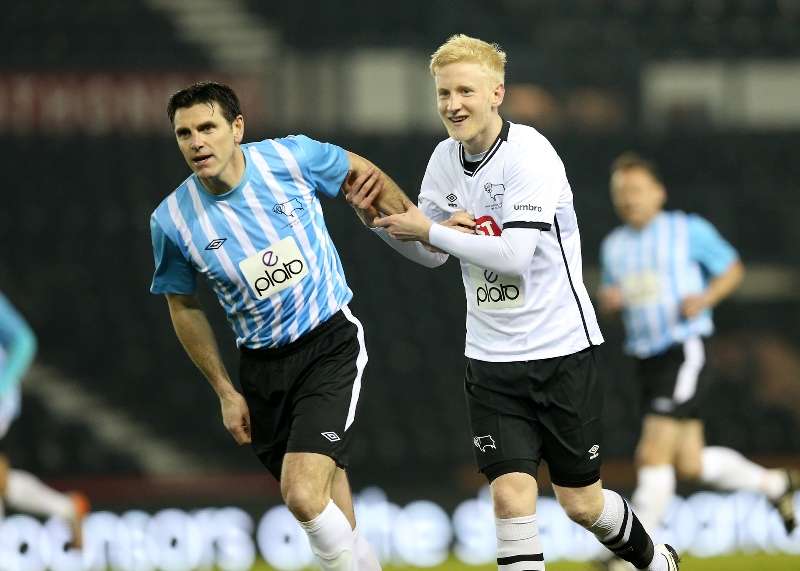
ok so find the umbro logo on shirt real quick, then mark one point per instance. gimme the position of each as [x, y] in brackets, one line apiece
[332, 436]
[215, 243]
[452, 200]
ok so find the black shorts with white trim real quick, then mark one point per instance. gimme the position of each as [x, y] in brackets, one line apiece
[674, 382]
[302, 396]
[524, 411]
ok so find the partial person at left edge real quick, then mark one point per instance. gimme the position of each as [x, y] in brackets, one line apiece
[249, 220]
[19, 489]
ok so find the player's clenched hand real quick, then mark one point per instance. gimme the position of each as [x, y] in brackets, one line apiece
[409, 226]
[611, 299]
[693, 304]
[462, 221]
[236, 417]
[361, 192]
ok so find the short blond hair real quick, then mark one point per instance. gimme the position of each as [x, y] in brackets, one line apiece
[461, 47]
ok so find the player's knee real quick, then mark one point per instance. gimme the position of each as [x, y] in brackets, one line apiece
[649, 454]
[4, 468]
[304, 500]
[583, 513]
[514, 495]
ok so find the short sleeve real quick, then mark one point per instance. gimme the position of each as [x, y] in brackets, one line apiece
[532, 189]
[708, 248]
[327, 164]
[173, 273]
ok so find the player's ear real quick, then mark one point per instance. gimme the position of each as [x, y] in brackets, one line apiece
[498, 94]
[238, 129]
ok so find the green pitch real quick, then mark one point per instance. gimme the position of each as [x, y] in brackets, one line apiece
[759, 562]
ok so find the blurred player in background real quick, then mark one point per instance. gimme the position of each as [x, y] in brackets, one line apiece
[249, 220]
[19, 489]
[531, 382]
[666, 270]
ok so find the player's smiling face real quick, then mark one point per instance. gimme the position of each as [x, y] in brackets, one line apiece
[207, 140]
[637, 196]
[468, 98]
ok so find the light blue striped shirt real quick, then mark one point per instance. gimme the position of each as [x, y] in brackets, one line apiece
[263, 246]
[17, 348]
[656, 267]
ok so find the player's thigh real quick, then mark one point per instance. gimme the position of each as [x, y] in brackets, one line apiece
[689, 454]
[572, 420]
[659, 441]
[505, 433]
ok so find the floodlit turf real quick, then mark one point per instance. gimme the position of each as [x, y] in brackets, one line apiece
[729, 563]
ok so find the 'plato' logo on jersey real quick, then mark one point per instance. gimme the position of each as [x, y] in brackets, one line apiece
[216, 243]
[274, 268]
[496, 291]
[484, 442]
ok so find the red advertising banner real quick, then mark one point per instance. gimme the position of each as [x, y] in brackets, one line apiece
[102, 103]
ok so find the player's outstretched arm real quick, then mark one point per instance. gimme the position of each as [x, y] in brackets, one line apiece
[195, 334]
[371, 191]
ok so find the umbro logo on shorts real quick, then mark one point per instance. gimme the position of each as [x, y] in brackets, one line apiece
[594, 451]
[215, 243]
[332, 436]
[484, 442]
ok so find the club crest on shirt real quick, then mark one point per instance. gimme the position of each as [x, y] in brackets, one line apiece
[495, 193]
[292, 209]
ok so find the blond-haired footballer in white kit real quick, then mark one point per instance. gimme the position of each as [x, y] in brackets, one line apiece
[496, 196]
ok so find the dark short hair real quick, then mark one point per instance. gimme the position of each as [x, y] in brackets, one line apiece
[206, 92]
[630, 160]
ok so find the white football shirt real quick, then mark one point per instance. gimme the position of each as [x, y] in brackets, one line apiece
[519, 183]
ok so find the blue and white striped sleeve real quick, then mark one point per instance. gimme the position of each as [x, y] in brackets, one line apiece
[326, 163]
[708, 248]
[173, 272]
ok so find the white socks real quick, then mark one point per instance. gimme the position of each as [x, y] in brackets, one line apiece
[25, 492]
[518, 546]
[332, 539]
[366, 559]
[726, 469]
[655, 487]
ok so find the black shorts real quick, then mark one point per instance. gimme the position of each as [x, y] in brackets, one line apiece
[525, 411]
[302, 396]
[673, 382]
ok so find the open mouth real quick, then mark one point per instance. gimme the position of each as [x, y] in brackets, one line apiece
[202, 160]
[459, 119]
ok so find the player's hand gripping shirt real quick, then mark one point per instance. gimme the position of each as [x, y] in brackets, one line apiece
[263, 246]
[656, 268]
[519, 183]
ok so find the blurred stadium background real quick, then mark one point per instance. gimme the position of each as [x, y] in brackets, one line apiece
[710, 89]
